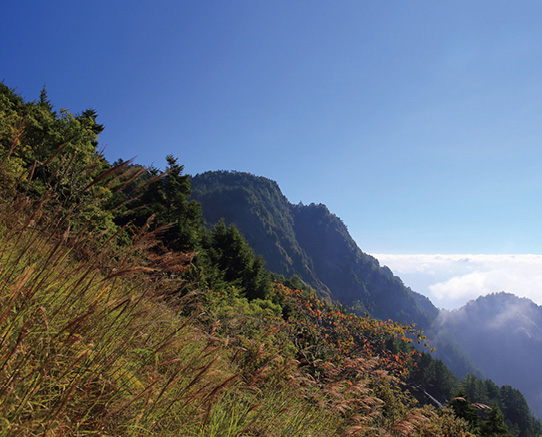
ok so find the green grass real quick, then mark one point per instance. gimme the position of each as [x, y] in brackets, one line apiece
[88, 346]
[105, 333]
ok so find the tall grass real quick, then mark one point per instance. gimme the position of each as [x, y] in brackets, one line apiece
[85, 350]
[92, 343]
[96, 340]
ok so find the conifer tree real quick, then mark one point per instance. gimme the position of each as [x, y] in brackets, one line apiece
[465, 410]
[167, 199]
[228, 250]
[494, 425]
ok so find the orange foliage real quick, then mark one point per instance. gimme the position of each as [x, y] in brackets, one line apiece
[324, 332]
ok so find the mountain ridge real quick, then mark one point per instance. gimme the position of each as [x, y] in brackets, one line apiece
[170, 327]
[284, 235]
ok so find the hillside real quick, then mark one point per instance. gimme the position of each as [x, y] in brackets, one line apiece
[503, 334]
[310, 242]
[122, 315]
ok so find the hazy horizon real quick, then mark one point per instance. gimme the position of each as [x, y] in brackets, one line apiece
[451, 280]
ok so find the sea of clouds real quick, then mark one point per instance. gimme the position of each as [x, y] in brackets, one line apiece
[450, 281]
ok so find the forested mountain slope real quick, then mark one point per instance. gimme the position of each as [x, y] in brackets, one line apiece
[503, 334]
[314, 244]
[310, 242]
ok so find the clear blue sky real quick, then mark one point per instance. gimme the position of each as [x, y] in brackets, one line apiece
[419, 123]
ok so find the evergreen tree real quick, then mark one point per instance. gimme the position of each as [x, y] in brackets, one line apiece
[167, 199]
[494, 426]
[228, 251]
[516, 411]
[465, 410]
[42, 151]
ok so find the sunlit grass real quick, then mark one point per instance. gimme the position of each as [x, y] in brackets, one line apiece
[85, 350]
[88, 345]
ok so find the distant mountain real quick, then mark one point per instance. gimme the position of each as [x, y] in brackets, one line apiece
[310, 242]
[503, 335]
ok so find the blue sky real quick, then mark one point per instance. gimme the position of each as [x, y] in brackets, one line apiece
[416, 122]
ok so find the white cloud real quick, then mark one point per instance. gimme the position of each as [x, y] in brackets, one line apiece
[451, 280]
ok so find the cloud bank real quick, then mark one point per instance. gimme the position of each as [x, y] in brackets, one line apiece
[452, 280]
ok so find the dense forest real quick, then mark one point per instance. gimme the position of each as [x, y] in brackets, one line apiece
[122, 313]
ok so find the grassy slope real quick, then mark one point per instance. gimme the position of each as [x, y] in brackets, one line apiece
[89, 346]
[93, 346]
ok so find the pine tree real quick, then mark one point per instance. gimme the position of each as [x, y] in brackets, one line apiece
[167, 199]
[227, 249]
[465, 410]
[494, 425]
